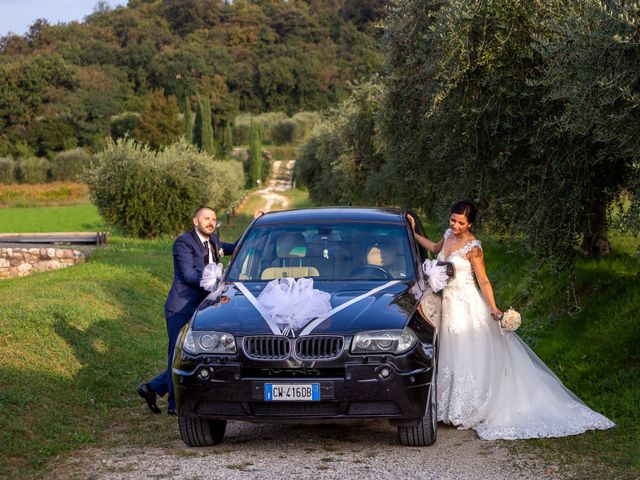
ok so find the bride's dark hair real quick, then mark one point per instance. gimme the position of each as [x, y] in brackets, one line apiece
[467, 208]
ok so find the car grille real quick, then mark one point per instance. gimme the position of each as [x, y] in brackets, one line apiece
[279, 348]
[267, 348]
[374, 408]
[319, 347]
[294, 409]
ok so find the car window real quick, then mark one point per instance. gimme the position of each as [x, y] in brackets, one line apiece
[342, 251]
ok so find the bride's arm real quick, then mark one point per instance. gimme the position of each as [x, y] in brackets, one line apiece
[425, 242]
[476, 257]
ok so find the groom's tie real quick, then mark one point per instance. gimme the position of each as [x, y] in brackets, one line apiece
[206, 251]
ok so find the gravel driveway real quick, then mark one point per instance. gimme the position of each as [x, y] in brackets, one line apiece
[362, 450]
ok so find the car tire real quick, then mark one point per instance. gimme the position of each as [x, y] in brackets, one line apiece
[200, 432]
[425, 433]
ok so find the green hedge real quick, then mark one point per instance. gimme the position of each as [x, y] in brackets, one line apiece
[7, 170]
[69, 165]
[33, 170]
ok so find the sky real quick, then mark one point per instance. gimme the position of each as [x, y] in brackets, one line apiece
[17, 15]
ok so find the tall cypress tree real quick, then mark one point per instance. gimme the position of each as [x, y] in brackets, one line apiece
[227, 139]
[197, 125]
[187, 120]
[207, 129]
[255, 154]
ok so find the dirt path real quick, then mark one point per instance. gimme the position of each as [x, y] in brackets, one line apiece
[364, 450]
[281, 180]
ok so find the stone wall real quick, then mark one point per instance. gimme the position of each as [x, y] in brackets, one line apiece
[18, 262]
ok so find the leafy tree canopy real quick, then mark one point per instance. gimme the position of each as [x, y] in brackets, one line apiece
[245, 55]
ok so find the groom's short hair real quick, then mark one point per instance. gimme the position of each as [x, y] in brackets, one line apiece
[200, 208]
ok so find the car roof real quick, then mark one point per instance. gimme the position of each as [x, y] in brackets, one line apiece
[333, 214]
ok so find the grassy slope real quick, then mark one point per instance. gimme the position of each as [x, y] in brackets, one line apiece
[593, 348]
[75, 342]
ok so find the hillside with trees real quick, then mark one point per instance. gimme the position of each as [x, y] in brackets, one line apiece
[73, 85]
[532, 108]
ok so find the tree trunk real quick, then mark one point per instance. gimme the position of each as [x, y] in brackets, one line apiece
[595, 242]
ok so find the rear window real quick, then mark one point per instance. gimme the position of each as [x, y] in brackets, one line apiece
[343, 251]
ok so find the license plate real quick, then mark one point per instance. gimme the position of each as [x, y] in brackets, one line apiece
[289, 391]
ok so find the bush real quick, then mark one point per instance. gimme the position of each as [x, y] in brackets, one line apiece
[284, 132]
[7, 174]
[149, 194]
[305, 121]
[33, 170]
[124, 124]
[266, 121]
[69, 165]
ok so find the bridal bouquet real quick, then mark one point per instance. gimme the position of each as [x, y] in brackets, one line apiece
[211, 275]
[292, 303]
[510, 320]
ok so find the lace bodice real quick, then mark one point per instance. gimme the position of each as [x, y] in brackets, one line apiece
[464, 270]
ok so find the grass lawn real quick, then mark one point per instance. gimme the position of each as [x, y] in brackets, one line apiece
[75, 342]
[75, 218]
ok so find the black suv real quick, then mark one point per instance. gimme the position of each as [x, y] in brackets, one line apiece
[374, 357]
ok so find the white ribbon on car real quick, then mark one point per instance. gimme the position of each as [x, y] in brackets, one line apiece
[436, 274]
[283, 305]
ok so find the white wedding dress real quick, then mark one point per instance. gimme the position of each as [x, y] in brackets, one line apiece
[489, 379]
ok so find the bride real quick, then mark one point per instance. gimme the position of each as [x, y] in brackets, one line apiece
[488, 378]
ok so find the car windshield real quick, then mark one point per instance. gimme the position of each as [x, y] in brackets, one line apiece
[342, 251]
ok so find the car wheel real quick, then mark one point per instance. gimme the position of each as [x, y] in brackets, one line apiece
[199, 432]
[425, 433]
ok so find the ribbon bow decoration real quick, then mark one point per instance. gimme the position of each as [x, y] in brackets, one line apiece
[291, 303]
[436, 274]
[211, 275]
[276, 307]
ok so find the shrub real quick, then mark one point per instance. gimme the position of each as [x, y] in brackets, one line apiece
[123, 125]
[284, 131]
[266, 121]
[7, 167]
[33, 170]
[305, 121]
[69, 165]
[149, 194]
[241, 129]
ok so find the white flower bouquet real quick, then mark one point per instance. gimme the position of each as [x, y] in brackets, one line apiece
[510, 320]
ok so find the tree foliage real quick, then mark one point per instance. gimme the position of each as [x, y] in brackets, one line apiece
[529, 107]
[250, 56]
[341, 159]
[159, 123]
[149, 194]
[203, 130]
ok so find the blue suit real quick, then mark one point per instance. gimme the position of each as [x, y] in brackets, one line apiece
[185, 295]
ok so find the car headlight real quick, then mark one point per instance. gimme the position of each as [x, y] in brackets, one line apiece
[197, 342]
[384, 341]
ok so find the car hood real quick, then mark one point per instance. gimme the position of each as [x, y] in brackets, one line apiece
[229, 310]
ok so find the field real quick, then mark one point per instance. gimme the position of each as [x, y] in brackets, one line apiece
[75, 218]
[75, 343]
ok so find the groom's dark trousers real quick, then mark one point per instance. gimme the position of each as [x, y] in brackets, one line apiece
[185, 296]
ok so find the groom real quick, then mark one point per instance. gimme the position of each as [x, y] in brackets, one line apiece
[192, 251]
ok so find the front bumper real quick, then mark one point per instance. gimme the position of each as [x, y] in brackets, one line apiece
[351, 387]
